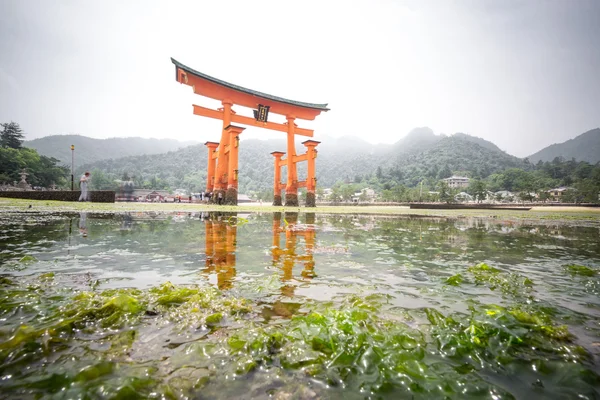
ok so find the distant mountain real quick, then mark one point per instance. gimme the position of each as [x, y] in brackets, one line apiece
[456, 154]
[88, 150]
[474, 139]
[585, 147]
[418, 139]
[419, 155]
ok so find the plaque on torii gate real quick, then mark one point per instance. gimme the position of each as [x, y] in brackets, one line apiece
[222, 176]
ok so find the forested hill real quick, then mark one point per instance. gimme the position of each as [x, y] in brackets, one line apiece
[90, 150]
[585, 147]
[457, 154]
[421, 155]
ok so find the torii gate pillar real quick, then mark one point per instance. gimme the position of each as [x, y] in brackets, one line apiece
[292, 184]
[212, 162]
[291, 187]
[311, 179]
[232, 172]
[277, 174]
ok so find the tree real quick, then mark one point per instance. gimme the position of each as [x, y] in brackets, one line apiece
[363, 196]
[478, 190]
[445, 193]
[543, 195]
[347, 191]
[320, 193]
[43, 171]
[445, 172]
[11, 136]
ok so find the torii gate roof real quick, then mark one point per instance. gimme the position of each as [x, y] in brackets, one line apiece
[240, 95]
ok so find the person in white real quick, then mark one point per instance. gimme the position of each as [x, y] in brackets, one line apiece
[83, 184]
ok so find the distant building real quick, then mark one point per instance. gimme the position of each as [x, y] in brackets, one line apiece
[150, 195]
[457, 181]
[557, 193]
[326, 193]
[369, 196]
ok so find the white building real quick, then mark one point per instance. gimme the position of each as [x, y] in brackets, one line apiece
[457, 181]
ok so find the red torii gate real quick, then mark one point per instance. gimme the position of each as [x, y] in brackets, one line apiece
[222, 177]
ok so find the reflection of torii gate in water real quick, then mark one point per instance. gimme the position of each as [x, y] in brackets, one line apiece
[221, 243]
[292, 231]
[222, 176]
[221, 237]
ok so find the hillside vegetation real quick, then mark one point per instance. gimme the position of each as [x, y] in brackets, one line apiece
[419, 156]
[585, 147]
[401, 171]
[14, 159]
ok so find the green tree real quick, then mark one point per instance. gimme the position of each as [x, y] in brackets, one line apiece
[543, 195]
[100, 181]
[445, 172]
[11, 135]
[336, 194]
[477, 189]
[569, 196]
[43, 171]
[445, 192]
[347, 191]
[320, 193]
[363, 196]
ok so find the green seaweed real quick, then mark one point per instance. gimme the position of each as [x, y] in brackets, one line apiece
[214, 319]
[5, 281]
[575, 269]
[507, 282]
[48, 276]
[28, 259]
[115, 340]
[455, 280]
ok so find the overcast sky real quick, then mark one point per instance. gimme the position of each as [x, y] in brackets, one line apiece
[523, 74]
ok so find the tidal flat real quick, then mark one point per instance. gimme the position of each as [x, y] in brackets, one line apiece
[186, 301]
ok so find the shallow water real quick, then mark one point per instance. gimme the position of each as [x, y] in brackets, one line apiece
[209, 305]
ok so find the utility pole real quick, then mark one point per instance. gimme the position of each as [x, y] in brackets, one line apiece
[421, 192]
[72, 165]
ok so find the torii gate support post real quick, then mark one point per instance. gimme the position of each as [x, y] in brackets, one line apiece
[231, 197]
[277, 180]
[221, 178]
[291, 187]
[311, 179]
[210, 176]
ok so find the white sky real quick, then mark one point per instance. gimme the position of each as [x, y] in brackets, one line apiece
[523, 74]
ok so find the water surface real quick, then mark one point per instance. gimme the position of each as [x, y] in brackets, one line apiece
[287, 305]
